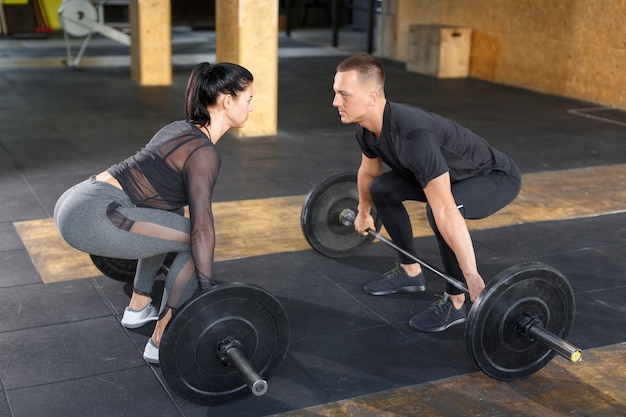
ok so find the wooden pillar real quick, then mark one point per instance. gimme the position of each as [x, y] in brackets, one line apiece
[151, 42]
[247, 34]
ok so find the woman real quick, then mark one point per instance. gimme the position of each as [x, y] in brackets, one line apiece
[133, 209]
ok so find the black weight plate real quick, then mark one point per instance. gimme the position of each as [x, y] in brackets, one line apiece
[188, 350]
[118, 269]
[320, 217]
[491, 332]
[124, 269]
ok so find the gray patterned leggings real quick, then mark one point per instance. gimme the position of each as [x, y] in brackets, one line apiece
[98, 218]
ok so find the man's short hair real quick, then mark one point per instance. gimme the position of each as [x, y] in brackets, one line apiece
[367, 67]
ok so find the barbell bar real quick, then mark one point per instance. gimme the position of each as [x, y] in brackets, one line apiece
[230, 351]
[347, 217]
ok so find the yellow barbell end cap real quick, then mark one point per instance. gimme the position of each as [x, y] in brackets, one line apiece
[576, 356]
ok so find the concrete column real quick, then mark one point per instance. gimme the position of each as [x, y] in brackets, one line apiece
[151, 42]
[247, 34]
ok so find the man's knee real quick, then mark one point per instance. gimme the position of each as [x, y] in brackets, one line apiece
[431, 218]
[378, 191]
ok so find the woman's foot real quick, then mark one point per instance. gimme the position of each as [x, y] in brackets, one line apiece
[133, 319]
[151, 351]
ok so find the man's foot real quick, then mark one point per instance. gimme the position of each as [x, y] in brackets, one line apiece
[396, 281]
[439, 316]
[137, 318]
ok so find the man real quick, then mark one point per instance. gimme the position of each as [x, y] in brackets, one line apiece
[431, 159]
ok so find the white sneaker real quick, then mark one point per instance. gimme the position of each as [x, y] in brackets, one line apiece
[151, 352]
[137, 318]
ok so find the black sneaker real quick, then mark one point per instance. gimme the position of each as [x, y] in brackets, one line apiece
[439, 316]
[396, 281]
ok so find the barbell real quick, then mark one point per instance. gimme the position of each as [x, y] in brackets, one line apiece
[516, 325]
[221, 344]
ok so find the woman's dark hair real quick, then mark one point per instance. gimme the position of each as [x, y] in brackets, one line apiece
[207, 82]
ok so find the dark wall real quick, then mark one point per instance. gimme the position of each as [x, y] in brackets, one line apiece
[199, 14]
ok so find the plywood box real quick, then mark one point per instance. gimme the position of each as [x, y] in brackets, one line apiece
[439, 50]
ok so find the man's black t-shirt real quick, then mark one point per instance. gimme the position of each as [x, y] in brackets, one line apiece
[422, 145]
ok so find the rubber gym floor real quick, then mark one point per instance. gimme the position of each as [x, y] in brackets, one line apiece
[64, 353]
